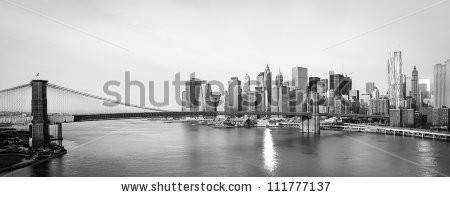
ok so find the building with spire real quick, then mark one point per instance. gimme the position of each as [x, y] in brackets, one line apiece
[268, 87]
[415, 88]
[279, 79]
[279, 95]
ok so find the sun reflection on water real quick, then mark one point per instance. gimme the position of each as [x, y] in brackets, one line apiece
[269, 154]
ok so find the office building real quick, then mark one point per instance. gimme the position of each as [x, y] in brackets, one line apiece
[378, 107]
[395, 79]
[280, 99]
[322, 86]
[376, 93]
[401, 118]
[370, 87]
[300, 100]
[339, 107]
[268, 87]
[260, 80]
[345, 86]
[337, 79]
[441, 83]
[313, 83]
[222, 101]
[260, 96]
[331, 80]
[249, 101]
[415, 86]
[234, 95]
[193, 93]
[300, 78]
[247, 83]
[354, 95]
[207, 99]
[279, 79]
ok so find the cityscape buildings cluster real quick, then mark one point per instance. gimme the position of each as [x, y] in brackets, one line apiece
[408, 99]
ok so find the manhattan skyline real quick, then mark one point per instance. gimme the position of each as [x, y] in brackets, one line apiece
[217, 40]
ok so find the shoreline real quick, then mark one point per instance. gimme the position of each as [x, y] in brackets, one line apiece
[25, 162]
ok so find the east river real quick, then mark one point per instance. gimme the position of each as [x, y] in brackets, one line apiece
[153, 148]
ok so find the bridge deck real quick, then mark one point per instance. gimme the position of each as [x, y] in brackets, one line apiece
[89, 117]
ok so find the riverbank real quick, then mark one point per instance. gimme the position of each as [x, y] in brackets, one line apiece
[26, 162]
[9, 159]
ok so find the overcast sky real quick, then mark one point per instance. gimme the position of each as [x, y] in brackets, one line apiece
[83, 44]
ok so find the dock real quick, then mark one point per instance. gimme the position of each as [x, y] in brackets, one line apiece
[389, 131]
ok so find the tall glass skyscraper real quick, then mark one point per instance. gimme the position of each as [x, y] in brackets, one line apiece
[300, 78]
[234, 95]
[441, 80]
[268, 87]
[395, 79]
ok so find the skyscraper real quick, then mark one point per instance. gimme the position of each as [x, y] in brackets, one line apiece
[259, 99]
[260, 80]
[206, 100]
[234, 94]
[425, 88]
[280, 99]
[405, 86]
[246, 83]
[322, 86]
[395, 79]
[415, 87]
[193, 93]
[300, 78]
[441, 79]
[279, 79]
[337, 84]
[345, 85]
[370, 87]
[408, 86]
[313, 83]
[354, 95]
[331, 80]
[268, 87]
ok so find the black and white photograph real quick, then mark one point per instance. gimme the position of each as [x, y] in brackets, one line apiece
[215, 89]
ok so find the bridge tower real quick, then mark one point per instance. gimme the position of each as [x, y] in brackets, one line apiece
[312, 124]
[315, 127]
[40, 123]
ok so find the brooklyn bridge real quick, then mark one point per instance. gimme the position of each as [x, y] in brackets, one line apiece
[54, 105]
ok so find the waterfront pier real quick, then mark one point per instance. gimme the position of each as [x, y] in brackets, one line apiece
[390, 131]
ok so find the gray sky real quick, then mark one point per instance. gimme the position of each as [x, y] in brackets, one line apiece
[83, 44]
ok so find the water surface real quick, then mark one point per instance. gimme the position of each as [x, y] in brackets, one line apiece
[151, 148]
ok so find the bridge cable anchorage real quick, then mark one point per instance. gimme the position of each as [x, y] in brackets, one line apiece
[57, 87]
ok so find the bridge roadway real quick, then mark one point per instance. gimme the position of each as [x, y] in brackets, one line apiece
[94, 117]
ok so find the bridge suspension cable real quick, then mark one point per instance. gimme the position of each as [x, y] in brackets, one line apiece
[63, 101]
[16, 100]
